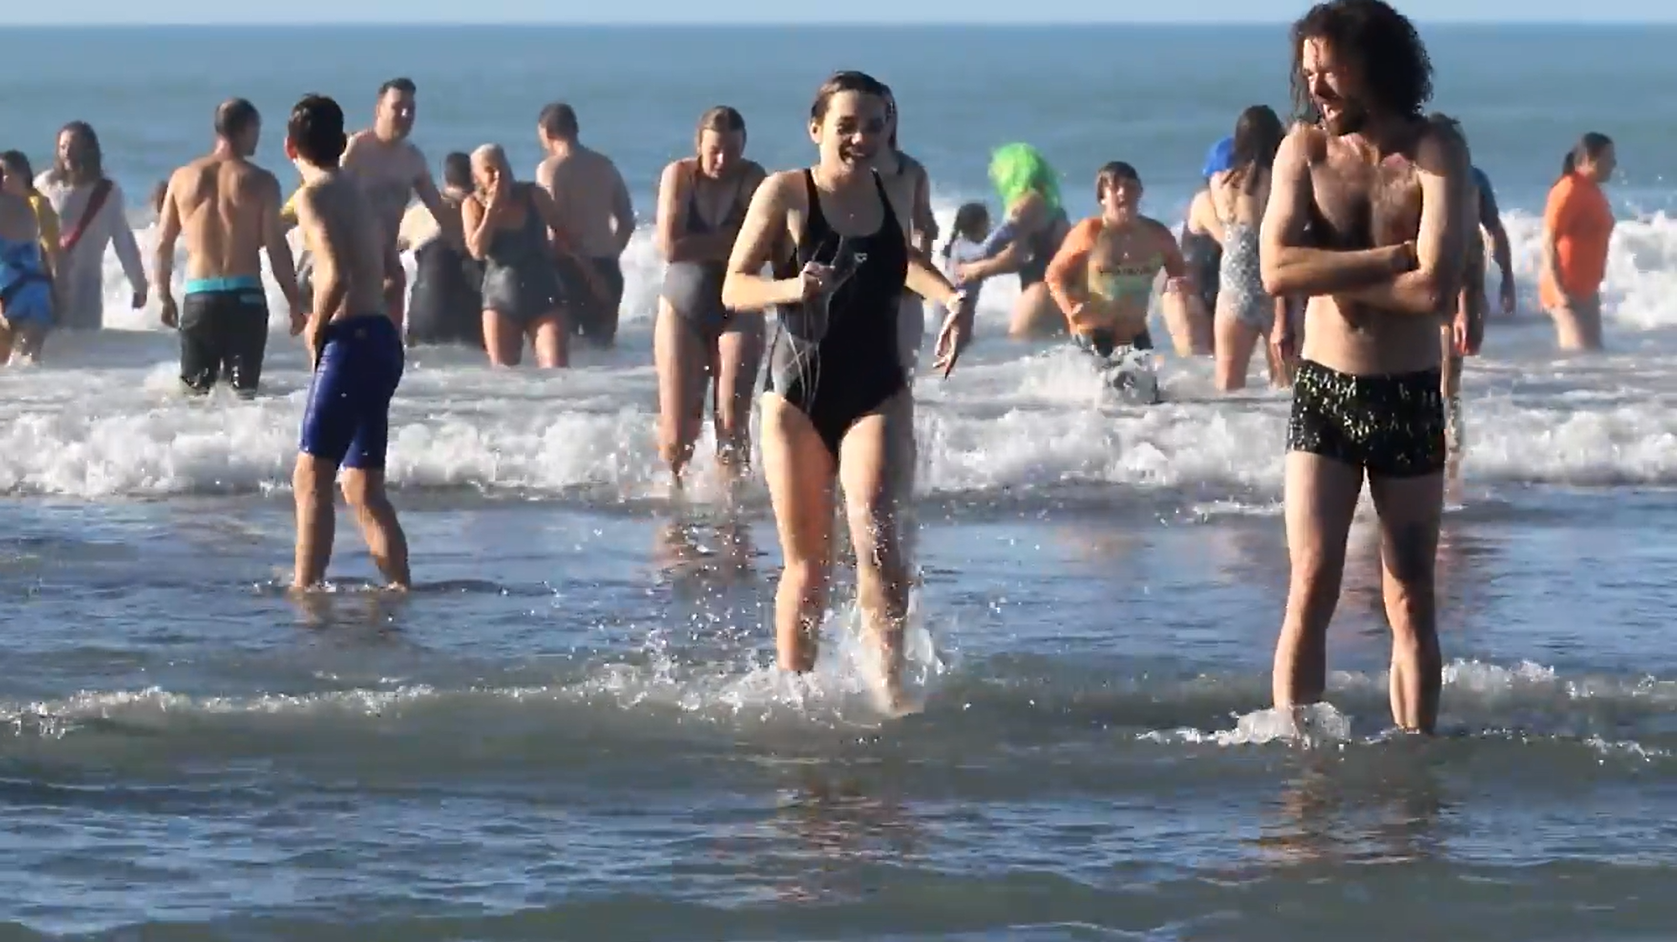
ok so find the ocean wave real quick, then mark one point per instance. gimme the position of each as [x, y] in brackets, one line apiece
[102, 420]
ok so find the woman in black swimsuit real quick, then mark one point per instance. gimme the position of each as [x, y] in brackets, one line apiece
[701, 203]
[509, 227]
[836, 407]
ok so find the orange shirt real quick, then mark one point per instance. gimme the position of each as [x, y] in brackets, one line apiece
[1581, 221]
[1071, 264]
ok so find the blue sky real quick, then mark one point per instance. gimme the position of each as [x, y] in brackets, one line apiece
[107, 12]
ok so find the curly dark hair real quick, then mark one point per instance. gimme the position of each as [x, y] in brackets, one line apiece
[1388, 52]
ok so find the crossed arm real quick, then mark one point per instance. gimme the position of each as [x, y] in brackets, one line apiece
[674, 202]
[1418, 278]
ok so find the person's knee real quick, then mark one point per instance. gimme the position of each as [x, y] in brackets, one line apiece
[806, 576]
[362, 490]
[310, 480]
[1317, 569]
[1410, 550]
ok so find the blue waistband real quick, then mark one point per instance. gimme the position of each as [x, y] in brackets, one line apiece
[235, 283]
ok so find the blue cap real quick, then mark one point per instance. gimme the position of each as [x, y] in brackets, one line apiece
[1220, 157]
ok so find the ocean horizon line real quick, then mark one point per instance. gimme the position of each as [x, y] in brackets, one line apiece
[714, 24]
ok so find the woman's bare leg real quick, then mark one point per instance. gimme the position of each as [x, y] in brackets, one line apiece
[680, 359]
[502, 339]
[799, 471]
[1035, 315]
[1236, 340]
[1189, 326]
[547, 339]
[873, 470]
[738, 357]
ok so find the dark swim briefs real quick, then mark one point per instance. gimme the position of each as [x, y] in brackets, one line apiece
[223, 333]
[1391, 426]
[592, 315]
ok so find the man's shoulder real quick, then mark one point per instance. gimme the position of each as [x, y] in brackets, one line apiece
[1158, 228]
[784, 187]
[1440, 148]
[604, 166]
[1305, 139]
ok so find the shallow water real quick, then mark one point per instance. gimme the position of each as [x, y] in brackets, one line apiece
[572, 729]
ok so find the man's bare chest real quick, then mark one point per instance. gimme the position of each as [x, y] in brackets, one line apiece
[1361, 204]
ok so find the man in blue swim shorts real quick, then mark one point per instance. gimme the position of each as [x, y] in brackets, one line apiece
[356, 350]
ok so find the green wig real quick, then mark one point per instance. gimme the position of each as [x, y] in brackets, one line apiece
[1018, 169]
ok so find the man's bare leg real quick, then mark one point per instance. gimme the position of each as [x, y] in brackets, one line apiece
[312, 484]
[1410, 509]
[1320, 499]
[388, 545]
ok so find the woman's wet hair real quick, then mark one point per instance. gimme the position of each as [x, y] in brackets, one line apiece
[316, 130]
[967, 221]
[159, 193]
[16, 163]
[1589, 147]
[1111, 174]
[720, 119]
[890, 116]
[1387, 52]
[1257, 136]
[89, 163]
[838, 83]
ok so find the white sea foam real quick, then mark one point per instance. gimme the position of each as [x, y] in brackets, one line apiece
[102, 419]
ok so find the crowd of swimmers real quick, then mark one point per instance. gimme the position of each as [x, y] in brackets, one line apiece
[1352, 246]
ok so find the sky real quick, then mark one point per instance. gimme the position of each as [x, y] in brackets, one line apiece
[126, 12]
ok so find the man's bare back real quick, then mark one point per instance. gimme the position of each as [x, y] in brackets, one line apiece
[588, 190]
[350, 249]
[225, 206]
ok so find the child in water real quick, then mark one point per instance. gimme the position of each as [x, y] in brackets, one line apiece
[966, 244]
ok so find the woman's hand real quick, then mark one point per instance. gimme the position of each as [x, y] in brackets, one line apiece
[813, 281]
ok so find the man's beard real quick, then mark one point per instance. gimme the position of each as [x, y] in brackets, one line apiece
[1349, 120]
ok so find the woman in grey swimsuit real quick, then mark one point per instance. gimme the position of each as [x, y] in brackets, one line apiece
[1244, 312]
[509, 227]
[698, 343]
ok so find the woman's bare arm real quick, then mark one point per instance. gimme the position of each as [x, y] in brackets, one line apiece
[474, 219]
[766, 224]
